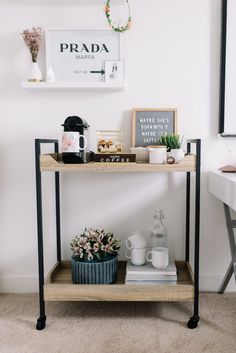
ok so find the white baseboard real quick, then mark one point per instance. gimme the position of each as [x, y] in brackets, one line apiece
[19, 284]
[211, 283]
[29, 284]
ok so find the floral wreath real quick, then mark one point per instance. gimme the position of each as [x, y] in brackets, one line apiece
[111, 24]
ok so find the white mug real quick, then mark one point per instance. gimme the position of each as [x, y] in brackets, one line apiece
[71, 141]
[177, 154]
[136, 241]
[159, 257]
[137, 256]
[142, 153]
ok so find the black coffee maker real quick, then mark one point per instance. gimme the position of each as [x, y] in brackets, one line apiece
[77, 124]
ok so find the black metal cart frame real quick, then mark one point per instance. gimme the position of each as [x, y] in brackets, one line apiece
[193, 321]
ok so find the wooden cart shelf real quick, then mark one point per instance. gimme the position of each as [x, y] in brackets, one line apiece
[53, 163]
[59, 287]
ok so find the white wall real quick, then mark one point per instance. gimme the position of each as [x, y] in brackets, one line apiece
[171, 60]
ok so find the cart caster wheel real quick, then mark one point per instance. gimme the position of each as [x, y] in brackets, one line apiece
[41, 322]
[193, 322]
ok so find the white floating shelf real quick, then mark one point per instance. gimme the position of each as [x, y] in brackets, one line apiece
[73, 86]
[70, 2]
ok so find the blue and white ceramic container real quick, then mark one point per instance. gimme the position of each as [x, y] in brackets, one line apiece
[91, 272]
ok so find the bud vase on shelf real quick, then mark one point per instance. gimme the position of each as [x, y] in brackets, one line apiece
[35, 74]
[50, 76]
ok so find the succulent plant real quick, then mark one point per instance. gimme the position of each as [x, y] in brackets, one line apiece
[171, 141]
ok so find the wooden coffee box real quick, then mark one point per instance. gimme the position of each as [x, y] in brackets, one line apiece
[115, 158]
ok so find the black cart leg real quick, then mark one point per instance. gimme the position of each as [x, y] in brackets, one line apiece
[58, 221]
[42, 318]
[193, 322]
[187, 228]
[41, 322]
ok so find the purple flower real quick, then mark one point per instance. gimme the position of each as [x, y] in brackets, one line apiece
[96, 247]
[90, 256]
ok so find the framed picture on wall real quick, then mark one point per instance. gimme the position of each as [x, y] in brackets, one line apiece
[227, 121]
[114, 71]
[80, 55]
[149, 124]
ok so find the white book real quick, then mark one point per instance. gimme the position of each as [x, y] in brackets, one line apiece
[150, 278]
[150, 283]
[149, 270]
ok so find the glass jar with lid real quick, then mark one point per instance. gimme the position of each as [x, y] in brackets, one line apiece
[109, 141]
[158, 236]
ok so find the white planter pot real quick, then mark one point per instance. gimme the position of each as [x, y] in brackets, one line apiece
[177, 154]
[157, 155]
[35, 74]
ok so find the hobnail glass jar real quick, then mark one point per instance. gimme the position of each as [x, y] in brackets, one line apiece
[158, 236]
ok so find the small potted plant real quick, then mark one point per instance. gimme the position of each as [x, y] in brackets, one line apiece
[94, 259]
[174, 145]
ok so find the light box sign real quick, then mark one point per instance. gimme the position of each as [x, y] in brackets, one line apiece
[80, 55]
[150, 124]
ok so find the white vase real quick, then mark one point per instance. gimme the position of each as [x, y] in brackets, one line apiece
[177, 154]
[35, 74]
[50, 77]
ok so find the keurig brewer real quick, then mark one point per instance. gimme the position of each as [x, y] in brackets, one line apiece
[75, 142]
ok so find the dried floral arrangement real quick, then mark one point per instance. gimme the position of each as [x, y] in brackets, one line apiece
[107, 10]
[32, 38]
[94, 245]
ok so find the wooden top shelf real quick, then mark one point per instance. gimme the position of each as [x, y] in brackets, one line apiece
[53, 163]
[59, 287]
[68, 2]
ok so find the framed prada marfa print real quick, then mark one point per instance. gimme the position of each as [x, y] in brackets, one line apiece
[80, 55]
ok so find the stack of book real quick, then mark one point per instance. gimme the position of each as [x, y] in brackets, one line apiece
[148, 275]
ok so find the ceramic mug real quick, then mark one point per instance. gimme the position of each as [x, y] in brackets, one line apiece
[136, 241]
[71, 141]
[159, 257]
[177, 154]
[137, 256]
[142, 154]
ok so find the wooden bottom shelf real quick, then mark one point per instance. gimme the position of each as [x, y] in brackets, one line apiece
[59, 287]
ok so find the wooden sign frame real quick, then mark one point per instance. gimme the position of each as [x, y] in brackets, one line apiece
[135, 110]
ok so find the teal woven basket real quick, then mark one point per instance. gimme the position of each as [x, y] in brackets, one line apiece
[94, 272]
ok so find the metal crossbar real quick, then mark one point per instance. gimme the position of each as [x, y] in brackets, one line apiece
[231, 224]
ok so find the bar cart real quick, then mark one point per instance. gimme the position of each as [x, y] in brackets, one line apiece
[57, 286]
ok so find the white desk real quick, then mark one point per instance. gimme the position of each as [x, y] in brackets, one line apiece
[223, 186]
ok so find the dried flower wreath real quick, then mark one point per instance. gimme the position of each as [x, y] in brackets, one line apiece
[111, 23]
